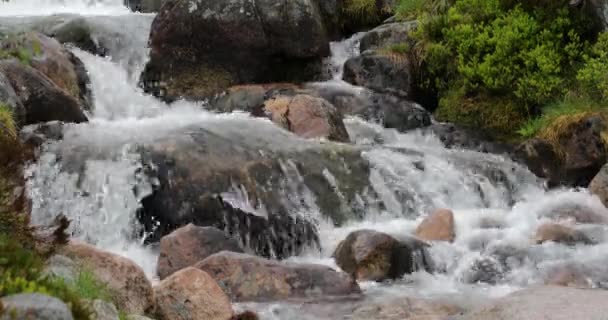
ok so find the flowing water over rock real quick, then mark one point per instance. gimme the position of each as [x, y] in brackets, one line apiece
[388, 181]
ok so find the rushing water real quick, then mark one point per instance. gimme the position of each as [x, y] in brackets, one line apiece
[94, 176]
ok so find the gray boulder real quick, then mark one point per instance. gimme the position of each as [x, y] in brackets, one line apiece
[34, 306]
[383, 72]
[386, 35]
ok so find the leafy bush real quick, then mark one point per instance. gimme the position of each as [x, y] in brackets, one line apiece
[365, 12]
[594, 74]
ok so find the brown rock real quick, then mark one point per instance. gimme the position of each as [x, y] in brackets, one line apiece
[371, 255]
[405, 308]
[439, 226]
[546, 302]
[561, 234]
[250, 278]
[579, 214]
[307, 116]
[190, 244]
[567, 276]
[191, 294]
[131, 291]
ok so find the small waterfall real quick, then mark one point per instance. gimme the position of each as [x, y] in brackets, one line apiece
[48, 7]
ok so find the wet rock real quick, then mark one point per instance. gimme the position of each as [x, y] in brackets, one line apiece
[454, 137]
[567, 276]
[77, 32]
[243, 42]
[131, 291]
[137, 317]
[42, 99]
[405, 308]
[247, 315]
[36, 135]
[578, 214]
[561, 234]
[103, 310]
[599, 185]
[484, 270]
[371, 255]
[581, 153]
[34, 306]
[190, 244]
[307, 116]
[255, 179]
[438, 226]
[546, 302]
[145, 5]
[383, 72]
[390, 111]
[386, 35]
[249, 278]
[191, 294]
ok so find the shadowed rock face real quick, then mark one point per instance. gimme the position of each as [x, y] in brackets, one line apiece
[255, 187]
[201, 48]
[250, 278]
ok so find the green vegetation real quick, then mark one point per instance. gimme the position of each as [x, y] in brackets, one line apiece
[507, 67]
[22, 47]
[366, 12]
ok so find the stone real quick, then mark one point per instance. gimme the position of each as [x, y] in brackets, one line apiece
[247, 315]
[307, 116]
[383, 72]
[130, 289]
[371, 255]
[386, 35]
[249, 278]
[8, 98]
[455, 137]
[568, 276]
[77, 32]
[599, 185]
[42, 99]
[62, 267]
[34, 306]
[190, 244]
[191, 294]
[438, 226]
[405, 308]
[545, 302]
[103, 310]
[561, 234]
[243, 42]
[137, 317]
[581, 154]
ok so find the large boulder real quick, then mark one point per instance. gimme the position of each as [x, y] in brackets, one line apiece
[371, 255]
[249, 278]
[130, 289]
[599, 185]
[257, 183]
[201, 48]
[191, 294]
[547, 302]
[575, 156]
[385, 35]
[8, 98]
[380, 71]
[190, 244]
[438, 226]
[33, 306]
[42, 99]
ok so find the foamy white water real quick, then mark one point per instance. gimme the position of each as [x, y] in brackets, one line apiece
[21, 8]
[94, 176]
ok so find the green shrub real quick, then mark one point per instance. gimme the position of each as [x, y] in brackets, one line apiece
[594, 74]
[365, 12]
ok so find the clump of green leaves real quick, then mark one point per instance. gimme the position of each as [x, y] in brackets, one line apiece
[594, 74]
[365, 12]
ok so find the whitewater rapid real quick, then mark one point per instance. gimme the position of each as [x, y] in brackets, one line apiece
[498, 204]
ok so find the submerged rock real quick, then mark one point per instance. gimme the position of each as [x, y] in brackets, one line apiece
[560, 234]
[599, 185]
[252, 181]
[405, 308]
[438, 226]
[126, 281]
[33, 306]
[371, 255]
[546, 302]
[190, 244]
[242, 42]
[191, 294]
[248, 278]
[384, 72]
